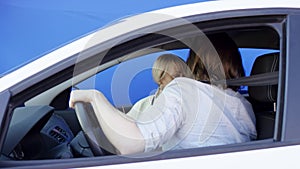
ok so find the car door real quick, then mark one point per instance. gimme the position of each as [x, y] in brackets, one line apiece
[270, 29]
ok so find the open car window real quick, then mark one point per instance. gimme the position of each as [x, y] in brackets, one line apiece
[123, 74]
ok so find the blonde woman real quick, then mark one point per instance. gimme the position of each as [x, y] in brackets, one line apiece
[175, 66]
[184, 114]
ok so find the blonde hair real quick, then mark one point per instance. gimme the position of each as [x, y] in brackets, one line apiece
[172, 65]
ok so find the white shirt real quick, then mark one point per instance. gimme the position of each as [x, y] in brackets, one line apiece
[190, 114]
[140, 106]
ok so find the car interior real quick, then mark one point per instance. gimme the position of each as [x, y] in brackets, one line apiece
[44, 127]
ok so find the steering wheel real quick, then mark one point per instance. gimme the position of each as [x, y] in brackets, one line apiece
[92, 130]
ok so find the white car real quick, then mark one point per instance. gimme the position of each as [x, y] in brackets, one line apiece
[39, 130]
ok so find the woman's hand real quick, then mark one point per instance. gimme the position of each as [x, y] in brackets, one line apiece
[82, 96]
[121, 132]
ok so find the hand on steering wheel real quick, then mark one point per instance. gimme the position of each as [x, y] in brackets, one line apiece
[99, 143]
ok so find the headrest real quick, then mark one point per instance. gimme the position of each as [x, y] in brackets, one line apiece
[263, 64]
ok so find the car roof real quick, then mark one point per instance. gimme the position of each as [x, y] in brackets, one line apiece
[226, 5]
[132, 24]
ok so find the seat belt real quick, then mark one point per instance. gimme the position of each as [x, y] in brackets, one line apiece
[263, 79]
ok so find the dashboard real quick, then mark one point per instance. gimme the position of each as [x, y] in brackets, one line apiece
[39, 132]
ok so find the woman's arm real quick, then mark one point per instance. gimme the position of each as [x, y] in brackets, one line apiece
[121, 131]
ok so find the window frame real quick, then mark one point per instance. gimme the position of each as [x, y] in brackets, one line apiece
[291, 82]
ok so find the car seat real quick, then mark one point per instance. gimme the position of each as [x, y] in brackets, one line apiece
[264, 98]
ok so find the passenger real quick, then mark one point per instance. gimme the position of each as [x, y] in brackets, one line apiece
[179, 69]
[185, 114]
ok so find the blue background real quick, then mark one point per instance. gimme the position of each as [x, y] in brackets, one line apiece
[31, 28]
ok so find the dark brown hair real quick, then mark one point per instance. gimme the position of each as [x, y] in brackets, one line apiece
[216, 59]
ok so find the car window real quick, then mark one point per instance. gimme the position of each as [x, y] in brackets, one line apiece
[126, 83]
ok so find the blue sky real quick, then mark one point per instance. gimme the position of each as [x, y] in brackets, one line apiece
[32, 28]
